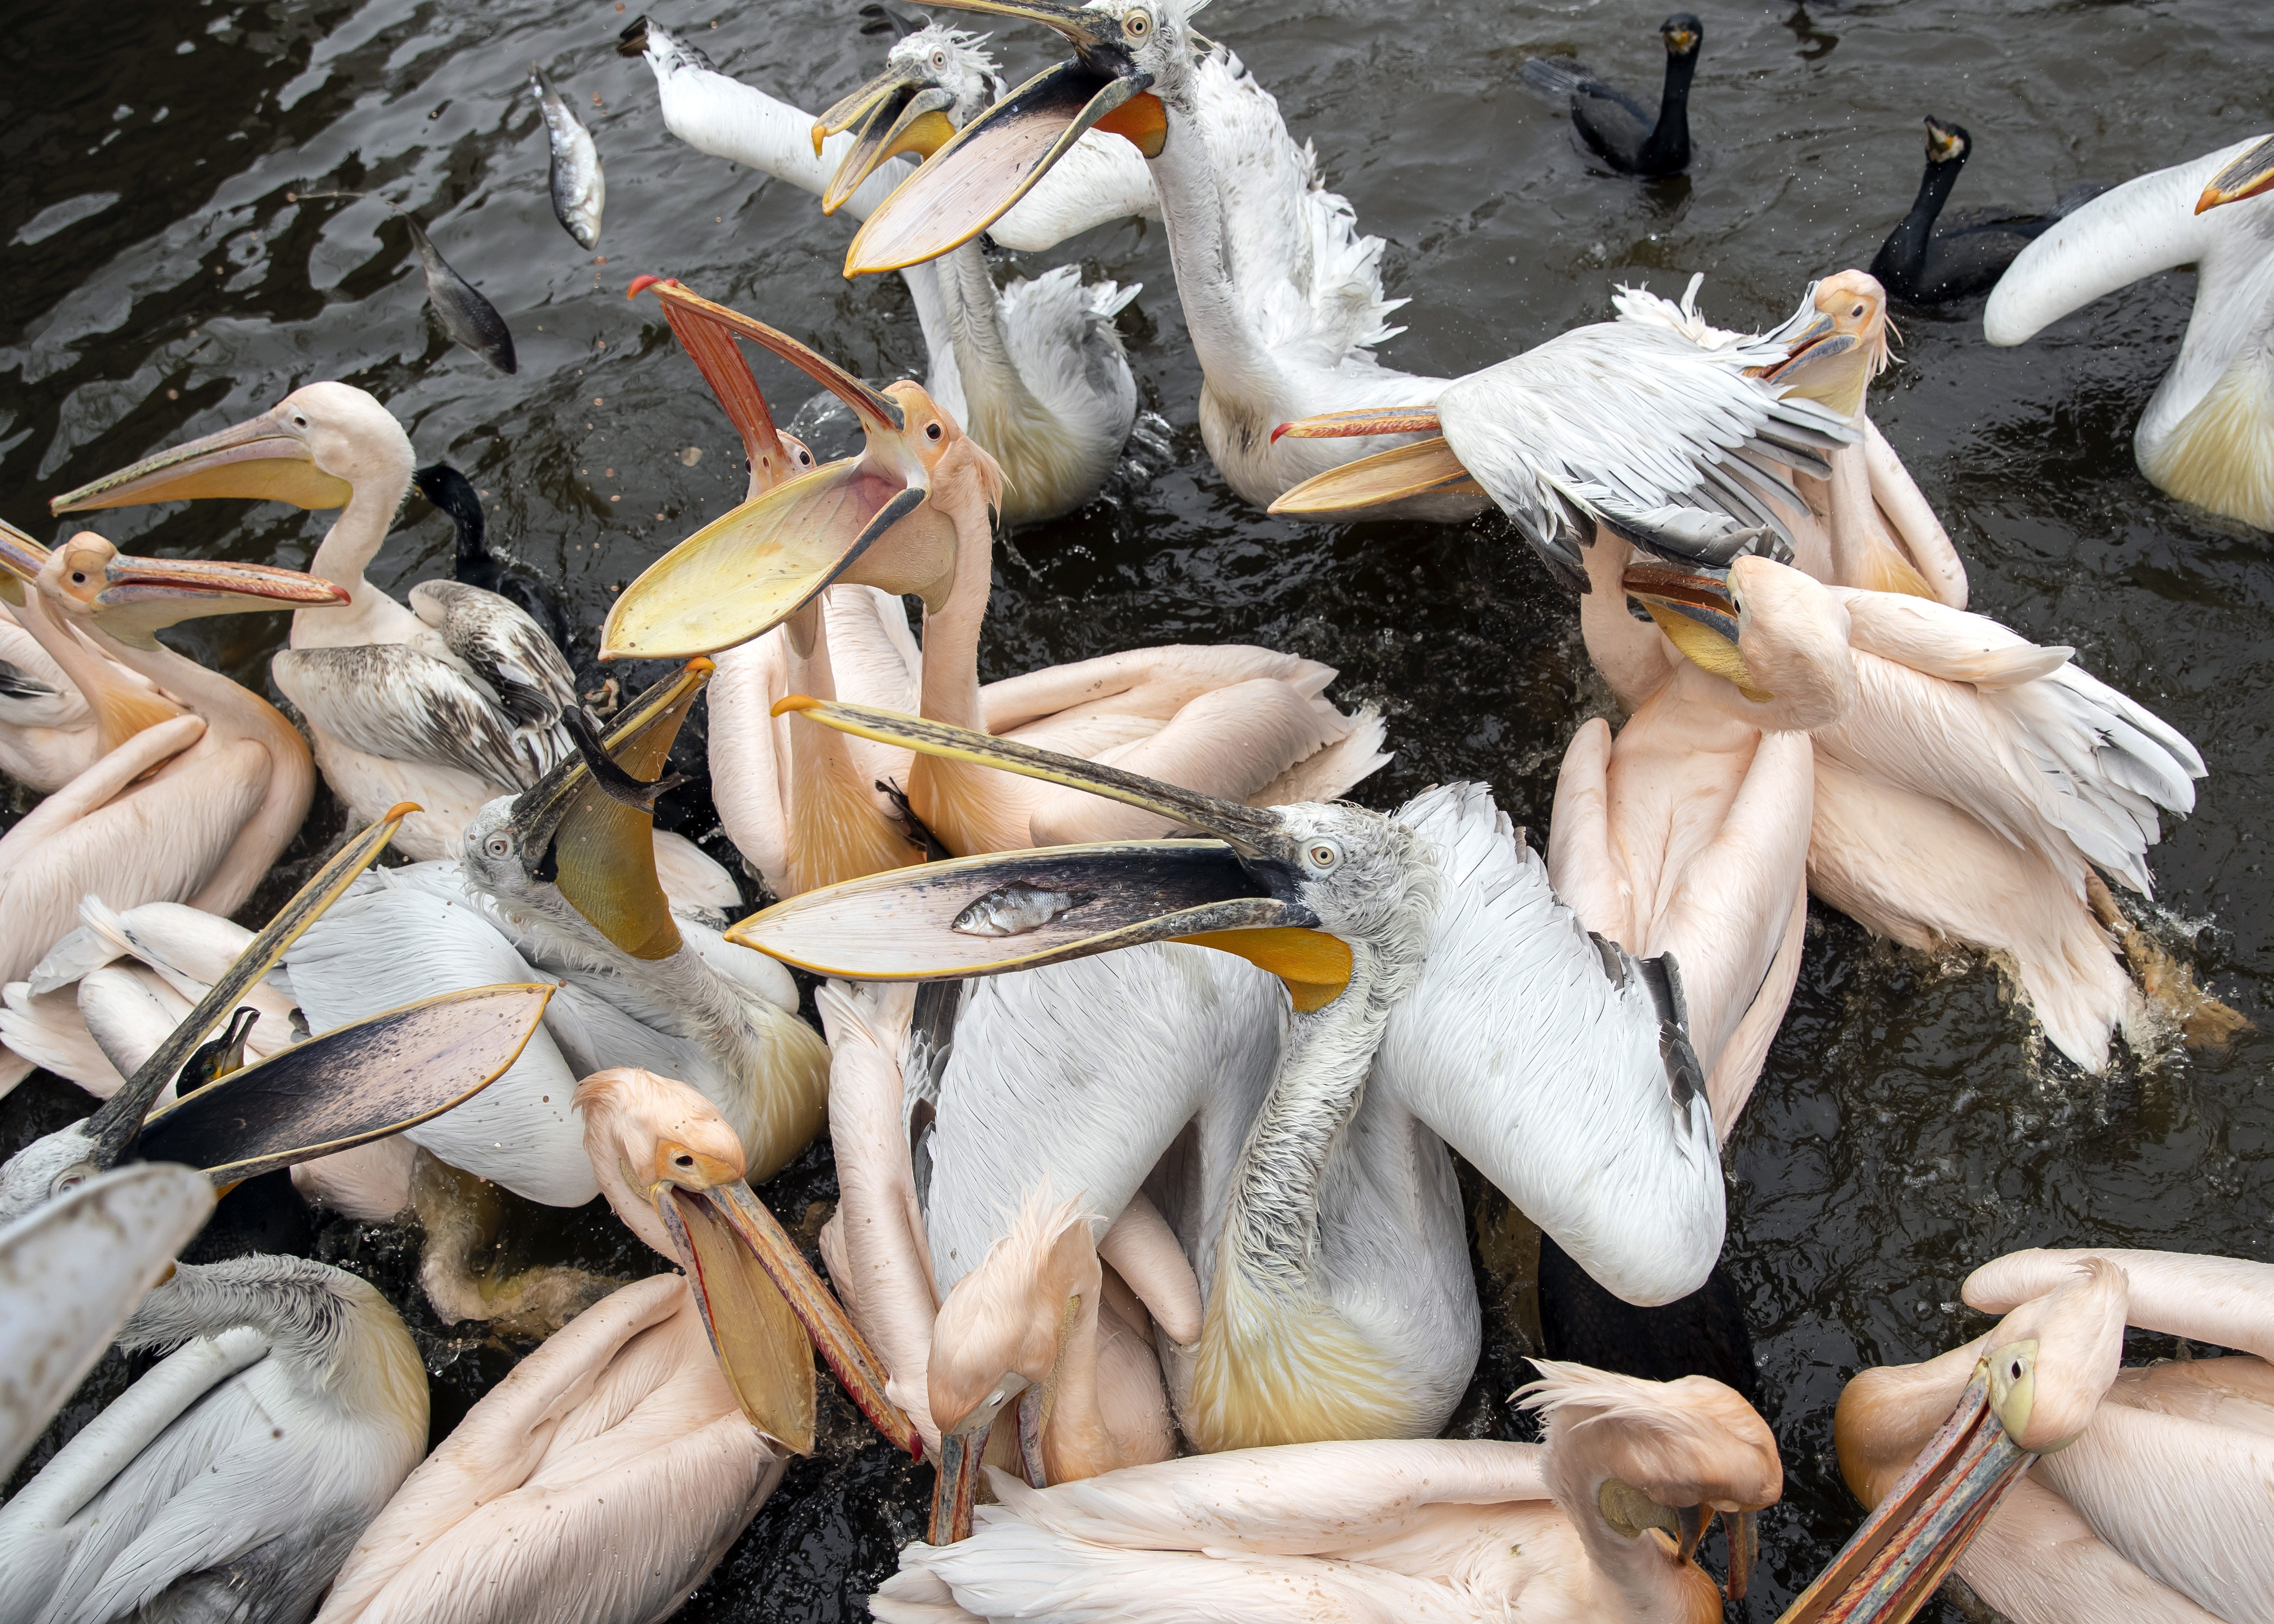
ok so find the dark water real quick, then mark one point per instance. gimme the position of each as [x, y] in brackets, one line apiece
[155, 284]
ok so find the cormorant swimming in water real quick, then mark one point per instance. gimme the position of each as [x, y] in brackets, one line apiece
[476, 566]
[1626, 134]
[1929, 258]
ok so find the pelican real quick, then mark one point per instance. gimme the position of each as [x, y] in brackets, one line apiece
[71, 1273]
[1036, 372]
[604, 1479]
[194, 808]
[1969, 785]
[2208, 434]
[2095, 1492]
[240, 1471]
[1282, 295]
[48, 733]
[1598, 1521]
[450, 702]
[911, 515]
[1440, 994]
[642, 985]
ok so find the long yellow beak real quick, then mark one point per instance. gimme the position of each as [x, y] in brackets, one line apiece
[897, 113]
[140, 596]
[255, 458]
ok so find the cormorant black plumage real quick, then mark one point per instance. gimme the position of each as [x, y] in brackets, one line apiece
[1931, 258]
[476, 566]
[1627, 135]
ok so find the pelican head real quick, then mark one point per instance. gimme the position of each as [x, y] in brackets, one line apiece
[1296, 890]
[888, 517]
[2247, 176]
[132, 598]
[1776, 634]
[1682, 34]
[1838, 341]
[1133, 62]
[1001, 1336]
[1644, 1457]
[583, 832]
[936, 80]
[673, 1170]
[312, 450]
[2034, 1382]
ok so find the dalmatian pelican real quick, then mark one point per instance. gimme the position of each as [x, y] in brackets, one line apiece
[2208, 434]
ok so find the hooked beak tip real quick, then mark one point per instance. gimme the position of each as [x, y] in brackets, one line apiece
[641, 284]
[789, 702]
[1277, 432]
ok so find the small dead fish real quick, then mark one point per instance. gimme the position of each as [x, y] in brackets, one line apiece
[580, 190]
[467, 317]
[1015, 909]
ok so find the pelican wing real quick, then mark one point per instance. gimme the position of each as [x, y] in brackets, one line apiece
[1959, 707]
[1556, 1062]
[1647, 425]
[505, 647]
[394, 703]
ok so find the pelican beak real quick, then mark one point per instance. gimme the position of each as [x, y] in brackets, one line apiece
[1239, 893]
[256, 458]
[588, 824]
[141, 595]
[710, 343]
[1693, 606]
[962, 1450]
[20, 561]
[346, 1087]
[764, 1305]
[1890, 1568]
[2247, 177]
[863, 520]
[973, 181]
[1423, 468]
[896, 112]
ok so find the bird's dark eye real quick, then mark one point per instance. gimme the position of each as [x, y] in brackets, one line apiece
[299, 422]
[77, 578]
[1856, 314]
[932, 429]
[685, 1161]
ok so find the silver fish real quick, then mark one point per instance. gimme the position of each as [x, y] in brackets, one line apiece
[1015, 909]
[467, 317]
[580, 190]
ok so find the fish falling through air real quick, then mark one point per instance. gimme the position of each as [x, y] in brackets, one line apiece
[466, 316]
[580, 190]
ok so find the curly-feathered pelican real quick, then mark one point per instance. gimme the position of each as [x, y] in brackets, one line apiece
[450, 702]
[1969, 782]
[605, 1476]
[1440, 989]
[911, 515]
[1599, 1521]
[1282, 295]
[2208, 434]
[194, 808]
[1036, 372]
[2071, 1491]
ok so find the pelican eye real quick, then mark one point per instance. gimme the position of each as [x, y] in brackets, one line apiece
[70, 1178]
[498, 845]
[682, 1160]
[77, 579]
[939, 59]
[1322, 853]
[931, 431]
[299, 422]
[1138, 22]
[1856, 314]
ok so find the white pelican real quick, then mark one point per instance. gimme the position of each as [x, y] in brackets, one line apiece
[1282, 295]
[643, 986]
[71, 1271]
[1443, 996]
[1599, 1521]
[911, 515]
[238, 1472]
[1969, 785]
[2097, 1492]
[48, 733]
[190, 810]
[450, 702]
[604, 1479]
[1036, 372]
[2208, 434]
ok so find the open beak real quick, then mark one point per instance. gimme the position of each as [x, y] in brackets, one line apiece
[118, 1123]
[21, 558]
[1890, 1568]
[894, 113]
[962, 1451]
[764, 1305]
[346, 1087]
[1424, 468]
[2247, 177]
[972, 181]
[1693, 606]
[594, 817]
[1007, 911]
[255, 458]
[140, 596]
[710, 343]
[863, 520]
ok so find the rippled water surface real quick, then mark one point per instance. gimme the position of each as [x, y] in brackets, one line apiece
[155, 283]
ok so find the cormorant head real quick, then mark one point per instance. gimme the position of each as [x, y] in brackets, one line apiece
[1946, 143]
[1682, 34]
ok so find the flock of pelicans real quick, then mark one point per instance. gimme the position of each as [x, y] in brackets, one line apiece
[1143, 1049]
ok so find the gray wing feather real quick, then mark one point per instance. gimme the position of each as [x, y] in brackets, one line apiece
[510, 650]
[396, 703]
